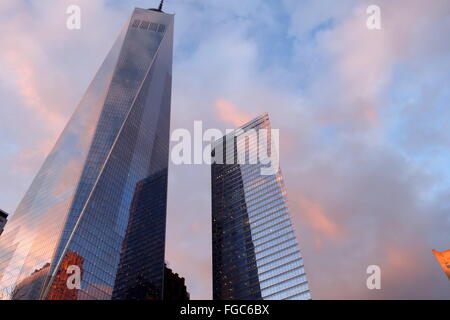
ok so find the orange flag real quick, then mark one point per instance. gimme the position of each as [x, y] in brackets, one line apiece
[444, 260]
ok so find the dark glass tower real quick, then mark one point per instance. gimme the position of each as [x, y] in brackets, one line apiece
[79, 206]
[255, 250]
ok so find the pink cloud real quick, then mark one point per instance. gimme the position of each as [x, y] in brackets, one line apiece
[230, 113]
[28, 79]
[316, 218]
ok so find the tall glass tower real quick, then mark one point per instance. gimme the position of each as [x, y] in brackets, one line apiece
[78, 208]
[255, 250]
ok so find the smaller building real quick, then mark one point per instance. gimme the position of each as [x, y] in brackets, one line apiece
[31, 286]
[444, 261]
[3, 220]
[174, 286]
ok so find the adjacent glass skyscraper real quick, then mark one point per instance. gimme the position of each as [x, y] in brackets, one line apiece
[78, 210]
[255, 250]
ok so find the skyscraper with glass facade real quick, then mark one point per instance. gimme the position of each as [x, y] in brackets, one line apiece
[78, 208]
[255, 250]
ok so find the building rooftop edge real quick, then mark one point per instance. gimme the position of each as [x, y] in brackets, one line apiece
[4, 213]
[154, 10]
[242, 127]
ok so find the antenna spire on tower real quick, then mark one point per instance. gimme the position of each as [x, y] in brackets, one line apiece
[161, 5]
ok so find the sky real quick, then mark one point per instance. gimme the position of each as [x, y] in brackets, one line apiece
[363, 118]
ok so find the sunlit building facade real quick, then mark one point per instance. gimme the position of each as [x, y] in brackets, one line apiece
[255, 250]
[444, 261]
[77, 209]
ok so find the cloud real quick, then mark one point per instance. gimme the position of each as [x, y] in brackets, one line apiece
[316, 220]
[27, 82]
[228, 112]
